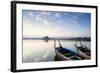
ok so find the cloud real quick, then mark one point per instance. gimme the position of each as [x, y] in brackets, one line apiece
[45, 22]
[38, 18]
[45, 13]
[57, 15]
[30, 14]
[43, 28]
[65, 25]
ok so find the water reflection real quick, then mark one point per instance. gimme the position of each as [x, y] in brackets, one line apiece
[40, 51]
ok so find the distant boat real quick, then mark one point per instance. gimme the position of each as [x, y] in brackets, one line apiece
[65, 54]
[83, 51]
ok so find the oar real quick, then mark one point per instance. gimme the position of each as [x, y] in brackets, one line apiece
[60, 44]
[76, 47]
[54, 43]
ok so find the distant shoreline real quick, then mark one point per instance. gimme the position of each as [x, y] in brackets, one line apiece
[73, 39]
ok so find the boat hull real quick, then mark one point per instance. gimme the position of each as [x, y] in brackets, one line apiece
[84, 54]
[63, 54]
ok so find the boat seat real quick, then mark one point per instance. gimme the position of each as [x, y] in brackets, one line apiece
[68, 54]
[72, 56]
[75, 57]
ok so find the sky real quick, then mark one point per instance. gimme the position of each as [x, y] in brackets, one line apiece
[56, 24]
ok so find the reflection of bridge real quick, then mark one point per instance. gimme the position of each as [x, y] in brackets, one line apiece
[46, 38]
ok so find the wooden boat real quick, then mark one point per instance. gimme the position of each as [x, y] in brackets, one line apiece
[83, 51]
[65, 54]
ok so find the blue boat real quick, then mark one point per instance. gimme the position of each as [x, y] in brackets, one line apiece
[65, 53]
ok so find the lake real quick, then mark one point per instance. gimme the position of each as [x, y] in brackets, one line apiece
[41, 51]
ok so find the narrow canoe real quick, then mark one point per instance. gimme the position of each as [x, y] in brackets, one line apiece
[63, 54]
[84, 52]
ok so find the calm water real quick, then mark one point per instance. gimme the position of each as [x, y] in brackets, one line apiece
[40, 51]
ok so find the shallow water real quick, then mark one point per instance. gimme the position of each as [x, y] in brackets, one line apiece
[40, 51]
